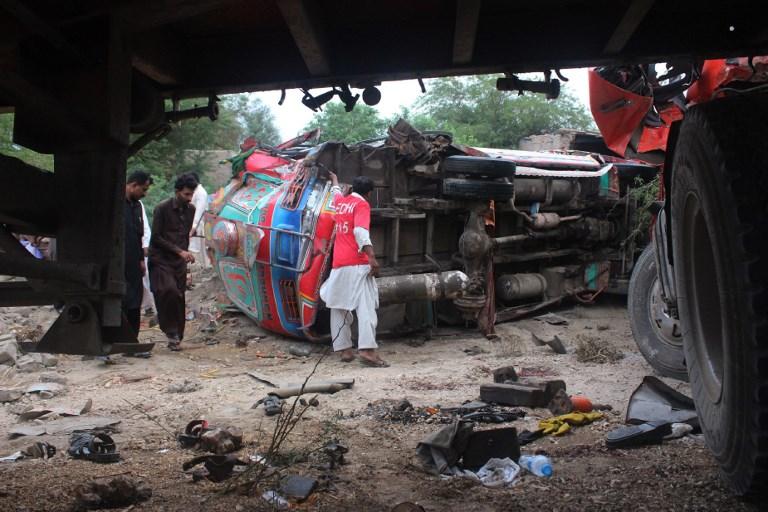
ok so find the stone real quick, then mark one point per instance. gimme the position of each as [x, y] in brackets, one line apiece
[9, 351]
[49, 360]
[513, 394]
[29, 363]
[504, 374]
[10, 395]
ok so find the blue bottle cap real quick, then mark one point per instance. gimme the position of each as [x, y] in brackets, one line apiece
[546, 470]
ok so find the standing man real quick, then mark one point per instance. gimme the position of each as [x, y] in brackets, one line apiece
[136, 187]
[352, 284]
[168, 258]
[197, 241]
[147, 301]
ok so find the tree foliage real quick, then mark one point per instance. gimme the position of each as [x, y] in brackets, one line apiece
[362, 123]
[477, 114]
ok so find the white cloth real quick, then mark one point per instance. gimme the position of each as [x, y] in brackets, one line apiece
[147, 299]
[362, 237]
[348, 289]
[197, 242]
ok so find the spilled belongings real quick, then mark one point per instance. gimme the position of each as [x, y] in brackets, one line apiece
[200, 435]
[95, 447]
[37, 450]
[65, 425]
[215, 468]
[655, 412]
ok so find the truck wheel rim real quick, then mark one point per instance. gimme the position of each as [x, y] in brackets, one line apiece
[664, 326]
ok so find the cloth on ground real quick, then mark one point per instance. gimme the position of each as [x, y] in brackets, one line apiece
[559, 425]
[440, 451]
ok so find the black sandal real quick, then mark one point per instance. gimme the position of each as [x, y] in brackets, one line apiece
[191, 436]
[94, 447]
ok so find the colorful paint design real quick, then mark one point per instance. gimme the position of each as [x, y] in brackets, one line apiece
[271, 233]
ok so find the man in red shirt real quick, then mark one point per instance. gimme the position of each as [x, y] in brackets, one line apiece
[352, 284]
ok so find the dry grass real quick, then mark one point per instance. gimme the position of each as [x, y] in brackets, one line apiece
[595, 350]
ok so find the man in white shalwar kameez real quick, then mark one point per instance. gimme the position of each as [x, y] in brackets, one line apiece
[352, 284]
[196, 236]
[147, 300]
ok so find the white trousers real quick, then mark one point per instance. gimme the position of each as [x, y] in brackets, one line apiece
[341, 320]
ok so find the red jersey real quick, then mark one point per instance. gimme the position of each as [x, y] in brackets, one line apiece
[352, 212]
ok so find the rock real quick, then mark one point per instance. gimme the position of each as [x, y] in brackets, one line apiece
[9, 351]
[29, 363]
[187, 386]
[10, 395]
[49, 360]
[53, 377]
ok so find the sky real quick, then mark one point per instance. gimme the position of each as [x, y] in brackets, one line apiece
[292, 115]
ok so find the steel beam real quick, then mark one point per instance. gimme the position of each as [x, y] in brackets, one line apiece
[307, 34]
[467, 19]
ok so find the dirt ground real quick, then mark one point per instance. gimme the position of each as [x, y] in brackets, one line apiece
[381, 469]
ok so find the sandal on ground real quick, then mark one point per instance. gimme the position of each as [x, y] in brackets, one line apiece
[191, 436]
[373, 363]
[347, 358]
[174, 346]
[94, 447]
[272, 405]
[39, 450]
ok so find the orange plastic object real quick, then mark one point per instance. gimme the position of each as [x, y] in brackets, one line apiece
[581, 403]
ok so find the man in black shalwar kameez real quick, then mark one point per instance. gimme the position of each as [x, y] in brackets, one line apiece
[168, 258]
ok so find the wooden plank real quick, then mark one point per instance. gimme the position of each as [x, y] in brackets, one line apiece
[465, 34]
[307, 34]
[626, 28]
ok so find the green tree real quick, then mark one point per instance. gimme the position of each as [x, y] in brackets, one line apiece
[8, 148]
[477, 114]
[362, 123]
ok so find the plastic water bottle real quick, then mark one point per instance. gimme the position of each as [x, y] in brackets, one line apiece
[539, 465]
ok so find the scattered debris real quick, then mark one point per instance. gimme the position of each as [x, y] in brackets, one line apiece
[440, 451]
[297, 487]
[118, 492]
[552, 319]
[191, 435]
[37, 450]
[186, 386]
[46, 389]
[595, 350]
[559, 425]
[529, 393]
[47, 412]
[655, 401]
[561, 403]
[330, 386]
[335, 452]
[275, 501]
[679, 430]
[652, 432]
[95, 447]
[273, 405]
[299, 351]
[484, 445]
[539, 465]
[221, 440]
[555, 343]
[262, 379]
[9, 350]
[65, 426]
[505, 374]
[216, 468]
[498, 472]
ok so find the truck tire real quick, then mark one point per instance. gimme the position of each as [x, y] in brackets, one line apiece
[479, 167]
[478, 189]
[719, 233]
[656, 335]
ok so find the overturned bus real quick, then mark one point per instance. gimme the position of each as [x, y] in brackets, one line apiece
[462, 234]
